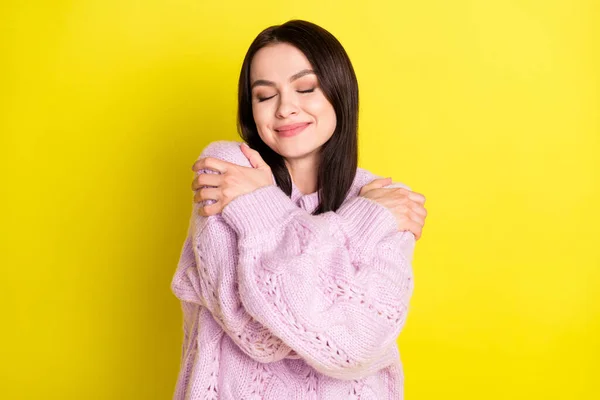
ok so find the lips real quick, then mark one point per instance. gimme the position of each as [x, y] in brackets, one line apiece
[292, 129]
[291, 126]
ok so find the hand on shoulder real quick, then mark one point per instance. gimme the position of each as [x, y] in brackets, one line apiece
[223, 175]
[407, 206]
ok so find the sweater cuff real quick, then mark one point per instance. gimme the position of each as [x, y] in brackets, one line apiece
[367, 221]
[259, 211]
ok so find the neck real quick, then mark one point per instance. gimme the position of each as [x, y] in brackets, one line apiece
[304, 173]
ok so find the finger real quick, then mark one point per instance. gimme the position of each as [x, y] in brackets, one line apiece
[253, 156]
[206, 180]
[207, 194]
[415, 228]
[419, 209]
[398, 194]
[416, 218]
[382, 192]
[211, 163]
[401, 190]
[211, 209]
[381, 182]
[418, 197]
[375, 184]
[196, 167]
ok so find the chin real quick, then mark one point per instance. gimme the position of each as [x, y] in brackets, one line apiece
[297, 152]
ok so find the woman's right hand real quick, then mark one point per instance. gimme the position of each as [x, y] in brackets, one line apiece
[407, 206]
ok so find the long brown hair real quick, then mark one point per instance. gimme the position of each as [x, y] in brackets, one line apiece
[332, 66]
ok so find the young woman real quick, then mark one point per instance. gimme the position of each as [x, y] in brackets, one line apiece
[295, 277]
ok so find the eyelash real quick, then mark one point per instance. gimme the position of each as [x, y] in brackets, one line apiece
[261, 99]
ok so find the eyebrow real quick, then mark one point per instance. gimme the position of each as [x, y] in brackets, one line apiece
[263, 82]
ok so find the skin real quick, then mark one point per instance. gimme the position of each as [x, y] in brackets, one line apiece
[286, 91]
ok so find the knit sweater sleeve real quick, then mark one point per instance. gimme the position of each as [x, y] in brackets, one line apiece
[334, 287]
[206, 275]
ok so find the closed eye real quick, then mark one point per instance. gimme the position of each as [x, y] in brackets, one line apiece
[261, 99]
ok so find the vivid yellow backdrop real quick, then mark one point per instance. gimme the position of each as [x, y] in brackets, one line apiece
[489, 108]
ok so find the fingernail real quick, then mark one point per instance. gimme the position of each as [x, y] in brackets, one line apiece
[244, 144]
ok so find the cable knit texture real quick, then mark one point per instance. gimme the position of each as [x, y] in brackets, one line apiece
[282, 304]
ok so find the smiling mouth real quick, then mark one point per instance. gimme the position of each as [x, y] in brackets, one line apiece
[292, 130]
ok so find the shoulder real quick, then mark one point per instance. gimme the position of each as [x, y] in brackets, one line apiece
[230, 151]
[226, 150]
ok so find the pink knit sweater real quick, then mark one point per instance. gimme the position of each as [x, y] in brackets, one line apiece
[281, 304]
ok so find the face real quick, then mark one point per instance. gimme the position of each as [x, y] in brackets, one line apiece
[291, 113]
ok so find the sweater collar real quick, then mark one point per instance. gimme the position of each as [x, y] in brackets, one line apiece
[309, 201]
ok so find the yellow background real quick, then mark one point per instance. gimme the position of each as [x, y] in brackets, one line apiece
[489, 108]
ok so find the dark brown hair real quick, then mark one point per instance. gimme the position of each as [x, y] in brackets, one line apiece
[339, 155]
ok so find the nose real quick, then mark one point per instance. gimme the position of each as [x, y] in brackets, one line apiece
[287, 106]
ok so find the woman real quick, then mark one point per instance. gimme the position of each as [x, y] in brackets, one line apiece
[296, 274]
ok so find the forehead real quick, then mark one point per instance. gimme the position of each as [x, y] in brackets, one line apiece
[278, 62]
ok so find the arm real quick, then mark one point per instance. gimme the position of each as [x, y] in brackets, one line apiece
[334, 287]
[206, 275]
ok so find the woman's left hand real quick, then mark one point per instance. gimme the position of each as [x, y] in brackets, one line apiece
[232, 181]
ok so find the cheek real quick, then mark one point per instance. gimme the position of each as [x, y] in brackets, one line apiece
[259, 114]
[331, 117]
[324, 111]
[319, 105]
[262, 122]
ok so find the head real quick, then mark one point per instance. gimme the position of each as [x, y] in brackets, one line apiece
[299, 74]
